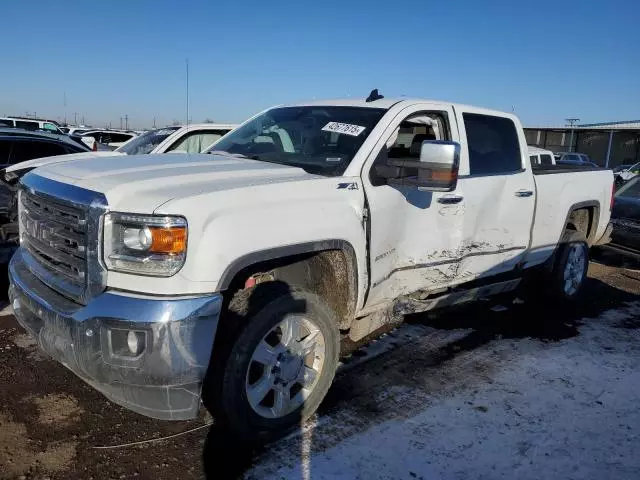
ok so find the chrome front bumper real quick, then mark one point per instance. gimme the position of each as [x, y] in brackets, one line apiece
[175, 337]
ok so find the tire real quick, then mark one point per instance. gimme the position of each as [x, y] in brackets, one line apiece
[253, 327]
[570, 267]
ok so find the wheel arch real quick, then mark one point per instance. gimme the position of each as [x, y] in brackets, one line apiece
[328, 268]
[583, 217]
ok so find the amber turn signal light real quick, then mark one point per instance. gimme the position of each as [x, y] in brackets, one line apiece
[171, 240]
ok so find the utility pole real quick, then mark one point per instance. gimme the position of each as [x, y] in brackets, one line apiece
[126, 121]
[64, 101]
[75, 118]
[120, 123]
[83, 119]
[187, 65]
[154, 123]
[571, 122]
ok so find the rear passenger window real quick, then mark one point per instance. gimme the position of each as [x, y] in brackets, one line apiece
[493, 144]
[533, 159]
[546, 160]
[27, 125]
[119, 138]
[28, 150]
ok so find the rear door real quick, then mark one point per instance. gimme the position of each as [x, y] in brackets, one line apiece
[499, 194]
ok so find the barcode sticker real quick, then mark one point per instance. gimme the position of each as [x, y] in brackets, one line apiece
[345, 128]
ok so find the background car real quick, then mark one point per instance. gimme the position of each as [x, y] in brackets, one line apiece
[540, 156]
[110, 138]
[625, 218]
[195, 138]
[18, 146]
[578, 159]
[30, 124]
[626, 173]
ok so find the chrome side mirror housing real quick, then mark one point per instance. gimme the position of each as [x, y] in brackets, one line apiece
[436, 170]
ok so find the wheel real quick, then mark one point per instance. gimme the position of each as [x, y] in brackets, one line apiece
[282, 348]
[570, 267]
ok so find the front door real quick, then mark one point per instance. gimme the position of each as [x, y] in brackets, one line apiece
[415, 236]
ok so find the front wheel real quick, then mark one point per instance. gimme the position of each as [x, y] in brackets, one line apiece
[279, 362]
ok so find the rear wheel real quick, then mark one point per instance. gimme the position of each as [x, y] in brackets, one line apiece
[570, 267]
[281, 354]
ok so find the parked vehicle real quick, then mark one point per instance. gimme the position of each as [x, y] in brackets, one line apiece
[17, 146]
[112, 139]
[162, 140]
[236, 273]
[626, 173]
[187, 139]
[578, 159]
[29, 124]
[539, 156]
[75, 130]
[625, 220]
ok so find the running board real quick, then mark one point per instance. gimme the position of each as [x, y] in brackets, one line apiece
[389, 317]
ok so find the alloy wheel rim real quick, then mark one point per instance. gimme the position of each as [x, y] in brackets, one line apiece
[285, 367]
[574, 269]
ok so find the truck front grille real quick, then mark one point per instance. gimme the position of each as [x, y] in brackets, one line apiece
[54, 233]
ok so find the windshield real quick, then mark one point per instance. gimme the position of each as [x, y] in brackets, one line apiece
[319, 139]
[630, 190]
[146, 142]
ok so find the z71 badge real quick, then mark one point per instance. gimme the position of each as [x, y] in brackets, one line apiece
[348, 186]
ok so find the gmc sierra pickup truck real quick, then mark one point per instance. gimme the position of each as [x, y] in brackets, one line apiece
[232, 276]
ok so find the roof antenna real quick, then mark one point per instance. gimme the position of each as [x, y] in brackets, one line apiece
[374, 95]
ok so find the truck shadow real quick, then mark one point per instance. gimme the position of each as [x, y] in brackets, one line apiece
[359, 388]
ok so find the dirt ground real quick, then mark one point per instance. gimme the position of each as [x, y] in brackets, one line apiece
[54, 426]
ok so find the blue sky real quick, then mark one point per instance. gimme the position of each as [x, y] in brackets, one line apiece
[547, 59]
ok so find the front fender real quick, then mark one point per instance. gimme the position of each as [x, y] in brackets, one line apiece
[263, 224]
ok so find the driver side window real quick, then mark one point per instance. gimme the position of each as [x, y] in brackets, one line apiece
[406, 141]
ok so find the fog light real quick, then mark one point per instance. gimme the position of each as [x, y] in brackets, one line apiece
[127, 343]
[134, 343]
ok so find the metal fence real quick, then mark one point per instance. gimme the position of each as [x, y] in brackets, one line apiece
[624, 148]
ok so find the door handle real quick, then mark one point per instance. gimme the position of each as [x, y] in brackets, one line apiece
[524, 193]
[450, 199]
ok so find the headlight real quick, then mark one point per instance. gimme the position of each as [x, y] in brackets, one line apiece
[145, 244]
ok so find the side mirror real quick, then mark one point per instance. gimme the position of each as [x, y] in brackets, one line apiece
[436, 170]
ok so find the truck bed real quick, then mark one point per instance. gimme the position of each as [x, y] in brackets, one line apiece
[563, 189]
[551, 169]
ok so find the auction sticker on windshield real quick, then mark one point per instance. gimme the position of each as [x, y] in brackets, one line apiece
[345, 128]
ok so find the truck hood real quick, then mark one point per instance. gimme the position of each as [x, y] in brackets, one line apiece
[142, 183]
[39, 162]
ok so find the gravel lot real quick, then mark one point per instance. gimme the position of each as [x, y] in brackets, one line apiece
[530, 392]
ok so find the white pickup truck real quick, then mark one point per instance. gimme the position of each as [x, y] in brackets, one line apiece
[232, 276]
